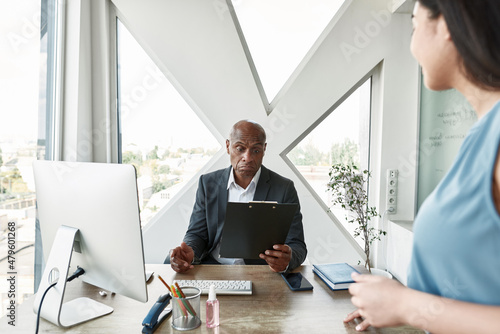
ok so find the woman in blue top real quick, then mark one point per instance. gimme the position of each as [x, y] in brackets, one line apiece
[454, 274]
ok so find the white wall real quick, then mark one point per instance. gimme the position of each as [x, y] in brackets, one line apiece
[196, 45]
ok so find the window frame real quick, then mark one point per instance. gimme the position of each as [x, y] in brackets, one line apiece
[374, 76]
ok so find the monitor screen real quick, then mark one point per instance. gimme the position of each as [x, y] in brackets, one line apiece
[101, 201]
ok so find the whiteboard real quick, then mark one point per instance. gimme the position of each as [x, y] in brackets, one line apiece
[445, 119]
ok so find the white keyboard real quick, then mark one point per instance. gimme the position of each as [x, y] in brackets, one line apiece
[222, 287]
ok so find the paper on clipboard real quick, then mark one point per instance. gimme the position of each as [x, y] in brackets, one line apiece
[251, 228]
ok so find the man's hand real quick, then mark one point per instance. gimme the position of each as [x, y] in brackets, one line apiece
[181, 258]
[278, 258]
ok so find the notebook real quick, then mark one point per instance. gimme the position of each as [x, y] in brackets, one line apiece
[336, 275]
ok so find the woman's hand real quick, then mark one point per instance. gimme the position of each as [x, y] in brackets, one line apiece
[380, 301]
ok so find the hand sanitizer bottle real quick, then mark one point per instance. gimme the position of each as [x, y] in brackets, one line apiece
[212, 319]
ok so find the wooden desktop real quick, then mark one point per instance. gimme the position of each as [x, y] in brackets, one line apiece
[272, 308]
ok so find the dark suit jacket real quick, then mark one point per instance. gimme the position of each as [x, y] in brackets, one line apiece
[207, 220]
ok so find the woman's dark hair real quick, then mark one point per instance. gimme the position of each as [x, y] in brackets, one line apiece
[473, 27]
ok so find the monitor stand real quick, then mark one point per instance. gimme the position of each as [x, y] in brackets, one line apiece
[53, 309]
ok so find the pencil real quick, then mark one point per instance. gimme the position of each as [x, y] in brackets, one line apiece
[179, 301]
[172, 292]
[188, 305]
[161, 279]
[180, 290]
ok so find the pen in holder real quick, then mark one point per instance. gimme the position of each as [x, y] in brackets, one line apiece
[185, 307]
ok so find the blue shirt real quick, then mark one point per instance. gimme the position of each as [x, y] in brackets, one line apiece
[456, 250]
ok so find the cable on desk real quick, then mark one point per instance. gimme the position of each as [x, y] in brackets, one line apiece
[40, 307]
[78, 272]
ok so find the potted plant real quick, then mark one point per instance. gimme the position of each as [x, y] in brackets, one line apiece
[348, 185]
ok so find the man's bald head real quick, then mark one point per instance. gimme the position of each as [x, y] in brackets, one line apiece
[247, 126]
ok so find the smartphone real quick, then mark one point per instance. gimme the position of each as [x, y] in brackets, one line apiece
[297, 282]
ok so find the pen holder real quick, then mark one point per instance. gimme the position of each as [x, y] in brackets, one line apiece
[186, 311]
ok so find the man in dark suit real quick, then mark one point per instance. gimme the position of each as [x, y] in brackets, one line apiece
[245, 180]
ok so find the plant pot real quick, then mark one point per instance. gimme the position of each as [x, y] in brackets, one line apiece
[381, 272]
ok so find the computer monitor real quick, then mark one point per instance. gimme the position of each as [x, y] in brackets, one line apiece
[89, 218]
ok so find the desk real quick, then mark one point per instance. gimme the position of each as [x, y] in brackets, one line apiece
[272, 308]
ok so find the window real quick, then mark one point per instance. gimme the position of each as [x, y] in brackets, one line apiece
[342, 137]
[279, 33]
[159, 132]
[23, 131]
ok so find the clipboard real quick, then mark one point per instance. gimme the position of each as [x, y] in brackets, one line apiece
[252, 228]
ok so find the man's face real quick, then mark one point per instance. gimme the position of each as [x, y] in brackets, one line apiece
[246, 151]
